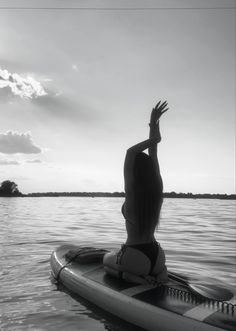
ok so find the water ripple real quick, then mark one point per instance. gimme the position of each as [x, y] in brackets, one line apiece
[198, 237]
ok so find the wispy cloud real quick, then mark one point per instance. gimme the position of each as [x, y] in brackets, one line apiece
[33, 161]
[8, 162]
[14, 142]
[66, 107]
[25, 87]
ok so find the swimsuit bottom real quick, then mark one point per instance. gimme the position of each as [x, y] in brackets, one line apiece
[140, 259]
[151, 250]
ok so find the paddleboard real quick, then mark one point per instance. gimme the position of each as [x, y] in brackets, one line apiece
[167, 308]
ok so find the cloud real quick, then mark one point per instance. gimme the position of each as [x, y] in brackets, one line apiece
[66, 108]
[51, 101]
[14, 142]
[8, 162]
[14, 162]
[33, 161]
[24, 87]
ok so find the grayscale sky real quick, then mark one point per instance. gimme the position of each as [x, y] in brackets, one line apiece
[77, 87]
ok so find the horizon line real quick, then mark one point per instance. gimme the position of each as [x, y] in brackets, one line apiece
[122, 192]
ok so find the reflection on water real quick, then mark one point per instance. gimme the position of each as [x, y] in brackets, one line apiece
[197, 235]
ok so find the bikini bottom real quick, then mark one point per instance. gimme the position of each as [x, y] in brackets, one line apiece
[151, 250]
[142, 260]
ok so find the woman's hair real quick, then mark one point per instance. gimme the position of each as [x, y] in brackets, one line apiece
[147, 192]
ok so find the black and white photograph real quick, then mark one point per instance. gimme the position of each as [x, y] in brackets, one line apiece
[117, 165]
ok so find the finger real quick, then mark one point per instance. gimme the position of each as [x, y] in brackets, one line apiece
[157, 104]
[163, 105]
[162, 108]
[165, 102]
[163, 111]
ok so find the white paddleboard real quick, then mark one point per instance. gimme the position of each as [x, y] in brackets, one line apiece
[167, 308]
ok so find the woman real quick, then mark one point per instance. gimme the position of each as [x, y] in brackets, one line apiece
[141, 259]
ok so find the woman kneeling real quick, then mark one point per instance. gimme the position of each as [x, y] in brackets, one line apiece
[141, 259]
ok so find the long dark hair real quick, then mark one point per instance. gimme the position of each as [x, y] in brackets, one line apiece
[147, 193]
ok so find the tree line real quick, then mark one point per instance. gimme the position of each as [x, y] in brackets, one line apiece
[10, 189]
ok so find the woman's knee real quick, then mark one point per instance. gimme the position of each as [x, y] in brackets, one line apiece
[110, 265]
[109, 260]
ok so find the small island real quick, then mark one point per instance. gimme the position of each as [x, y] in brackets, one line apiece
[10, 189]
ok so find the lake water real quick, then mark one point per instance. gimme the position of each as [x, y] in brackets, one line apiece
[198, 237]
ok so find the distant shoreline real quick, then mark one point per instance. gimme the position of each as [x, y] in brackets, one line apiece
[122, 195]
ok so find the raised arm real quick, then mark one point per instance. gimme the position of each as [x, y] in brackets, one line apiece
[160, 109]
[130, 158]
[150, 144]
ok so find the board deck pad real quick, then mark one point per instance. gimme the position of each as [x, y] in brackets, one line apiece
[172, 297]
[98, 275]
[156, 296]
[164, 298]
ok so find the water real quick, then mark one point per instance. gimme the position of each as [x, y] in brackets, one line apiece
[198, 237]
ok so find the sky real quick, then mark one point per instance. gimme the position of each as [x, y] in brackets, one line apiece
[77, 87]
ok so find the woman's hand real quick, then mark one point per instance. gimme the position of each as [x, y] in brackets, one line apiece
[159, 110]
